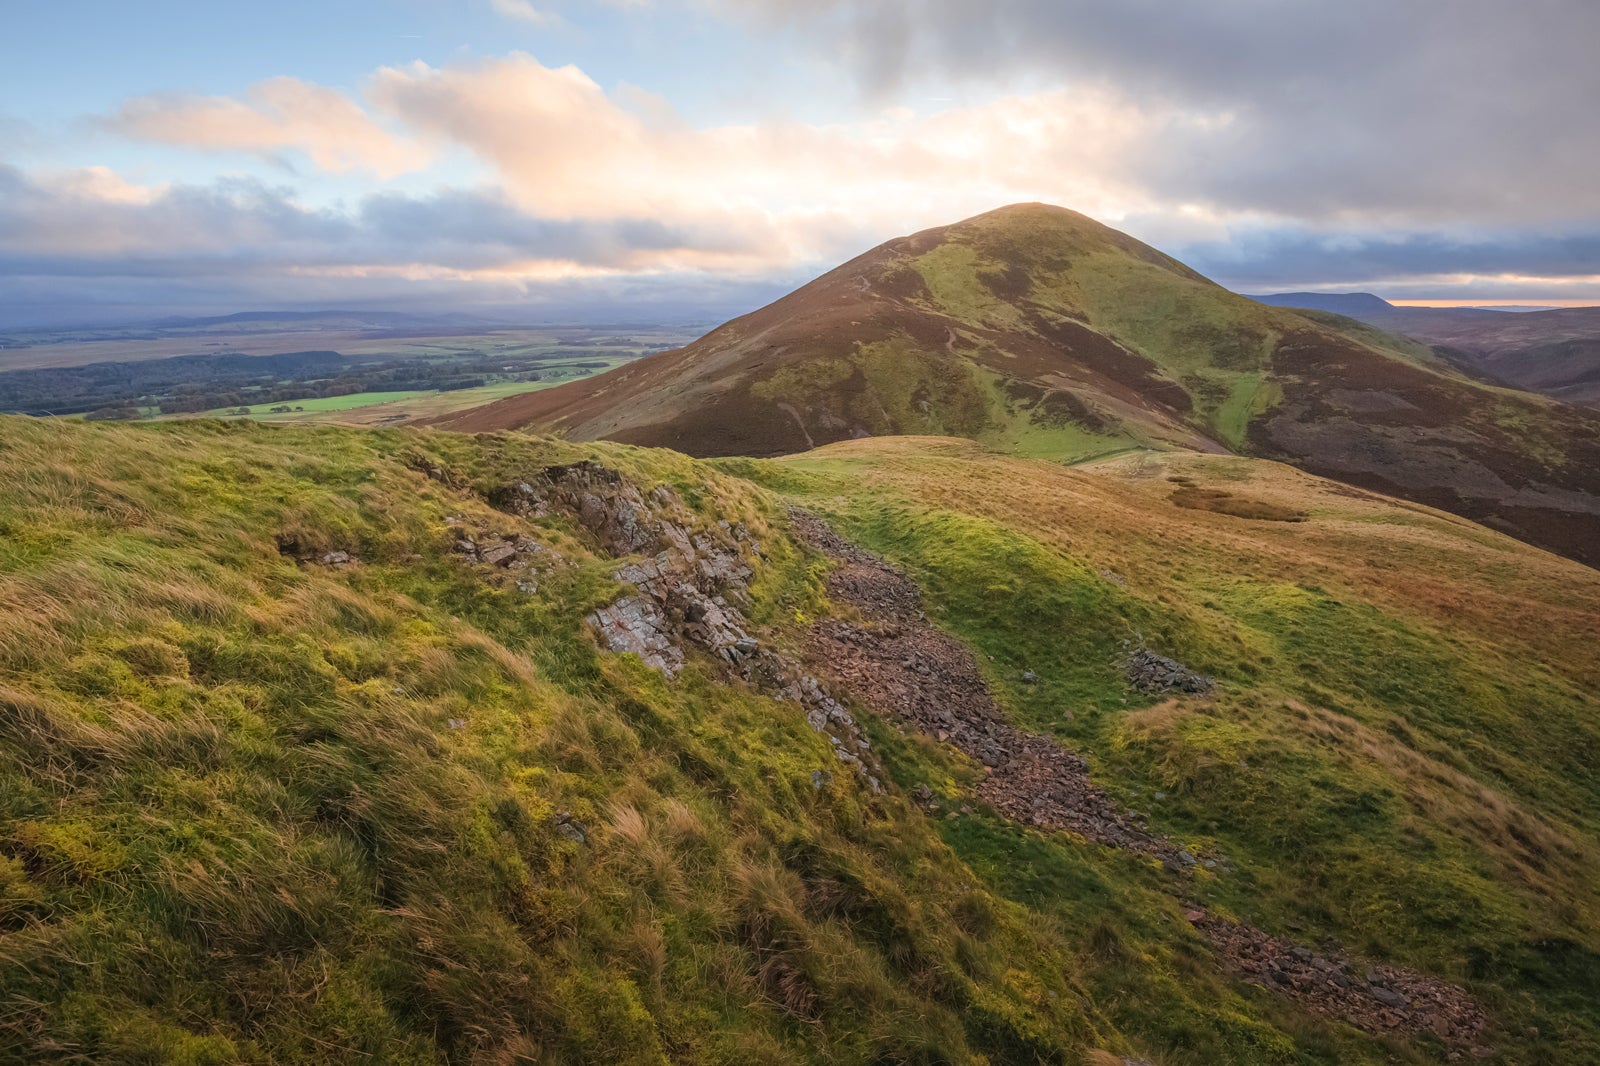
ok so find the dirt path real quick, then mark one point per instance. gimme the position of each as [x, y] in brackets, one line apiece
[898, 664]
[901, 666]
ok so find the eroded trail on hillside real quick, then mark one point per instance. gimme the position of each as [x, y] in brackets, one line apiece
[901, 666]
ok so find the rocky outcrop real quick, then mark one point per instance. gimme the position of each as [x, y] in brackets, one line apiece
[690, 579]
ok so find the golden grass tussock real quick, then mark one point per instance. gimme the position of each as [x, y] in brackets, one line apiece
[1534, 850]
[629, 826]
[680, 822]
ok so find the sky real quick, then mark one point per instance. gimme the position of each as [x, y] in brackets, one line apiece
[667, 159]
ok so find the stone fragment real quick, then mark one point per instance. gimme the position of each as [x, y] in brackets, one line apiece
[498, 555]
[571, 828]
[1155, 674]
[1387, 996]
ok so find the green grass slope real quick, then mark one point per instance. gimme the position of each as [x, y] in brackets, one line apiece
[1401, 752]
[257, 809]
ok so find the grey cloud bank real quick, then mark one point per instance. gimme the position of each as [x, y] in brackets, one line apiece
[1422, 149]
[1418, 112]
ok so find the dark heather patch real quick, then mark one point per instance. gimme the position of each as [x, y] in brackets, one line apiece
[1111, 360]
[1011, 284]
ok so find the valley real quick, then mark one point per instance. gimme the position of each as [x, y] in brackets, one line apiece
[1554, 351]
[325, 368]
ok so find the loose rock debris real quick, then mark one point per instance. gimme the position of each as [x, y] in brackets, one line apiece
[901, 666]
[1154, 674]
[1373, 998]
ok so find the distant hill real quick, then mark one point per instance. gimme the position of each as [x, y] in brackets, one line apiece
[1554, 351]
[1038, 331]
[1353, 304]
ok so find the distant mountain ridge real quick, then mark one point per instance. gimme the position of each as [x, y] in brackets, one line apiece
[1038, 331]
[1353, 304]
[1554, 351]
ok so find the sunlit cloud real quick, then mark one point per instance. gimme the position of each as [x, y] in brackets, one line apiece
[562, 146]
[282, 114]
[522, 173]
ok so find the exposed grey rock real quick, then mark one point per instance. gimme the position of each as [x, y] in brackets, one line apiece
[1152, 673]
[498, 555]
[571, 828]
[635, 625]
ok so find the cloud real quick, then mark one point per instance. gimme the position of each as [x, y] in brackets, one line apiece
[1277, 144]
[1257, 259]
[1368, 111]
[790, 191]
[1183, 149]
[523, 11]
[74, 240]
[94, 220]
[278, 115]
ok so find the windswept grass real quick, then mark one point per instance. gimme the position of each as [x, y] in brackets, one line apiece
[1401, 750]
[254, 809]
[257, 810]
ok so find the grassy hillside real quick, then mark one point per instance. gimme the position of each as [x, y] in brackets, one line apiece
[1040, 332]
[1400, 753]
[258, 804]
[257, 809]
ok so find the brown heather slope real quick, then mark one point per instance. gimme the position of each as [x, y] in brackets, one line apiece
[1553, 352]
[1037, 331]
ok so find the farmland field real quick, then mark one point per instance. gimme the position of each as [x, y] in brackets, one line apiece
[64, 348]
[395, 408]
[320, 370]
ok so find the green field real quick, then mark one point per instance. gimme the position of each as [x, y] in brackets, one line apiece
[393, 408]
[315, 406]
